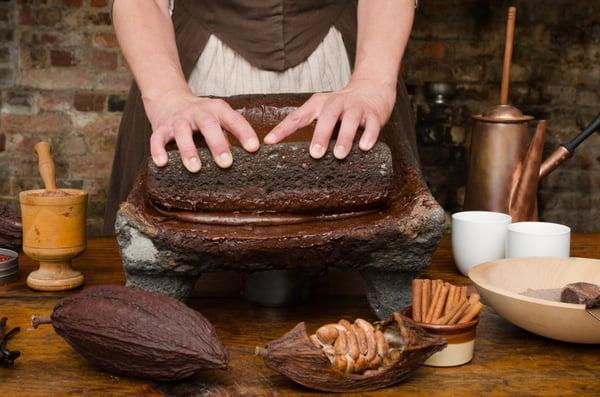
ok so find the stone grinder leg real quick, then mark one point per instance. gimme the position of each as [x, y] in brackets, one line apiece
[178, 287]
[146, 266]
[387, 291]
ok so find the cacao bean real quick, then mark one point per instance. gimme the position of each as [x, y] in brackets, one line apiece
[327, 334]
[135, 333]
[361, 358]
[363, 344]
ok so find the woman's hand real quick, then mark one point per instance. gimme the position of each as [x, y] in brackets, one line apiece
[383, 30]
[145, 27]
[363, 103]
[177, 114]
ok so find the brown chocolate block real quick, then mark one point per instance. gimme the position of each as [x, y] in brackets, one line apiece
[278, 178]
[581, 293]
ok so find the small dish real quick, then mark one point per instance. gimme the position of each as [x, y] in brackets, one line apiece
[501, 284]
[460, 337]
[9, 269]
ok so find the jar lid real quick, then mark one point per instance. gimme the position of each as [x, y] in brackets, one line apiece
[503, 114]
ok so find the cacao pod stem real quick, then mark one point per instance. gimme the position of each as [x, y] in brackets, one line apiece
[37, 320]
[261, 351]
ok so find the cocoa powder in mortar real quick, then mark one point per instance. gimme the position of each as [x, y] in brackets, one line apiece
[52, 193]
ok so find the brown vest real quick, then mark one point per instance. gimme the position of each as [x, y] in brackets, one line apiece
[270, 34]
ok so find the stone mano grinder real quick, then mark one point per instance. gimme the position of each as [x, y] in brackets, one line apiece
[505, 164]
[281, 209]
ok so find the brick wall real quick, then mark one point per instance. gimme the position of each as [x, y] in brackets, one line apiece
[62, 78]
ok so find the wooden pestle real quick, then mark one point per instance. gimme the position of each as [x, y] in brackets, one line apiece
[46, 165]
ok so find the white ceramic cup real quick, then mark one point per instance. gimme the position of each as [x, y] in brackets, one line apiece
[478, 237]
[538, 239]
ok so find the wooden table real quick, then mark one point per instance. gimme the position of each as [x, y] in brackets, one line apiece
[508, 360]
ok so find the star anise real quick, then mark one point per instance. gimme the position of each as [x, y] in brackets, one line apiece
[7, 357]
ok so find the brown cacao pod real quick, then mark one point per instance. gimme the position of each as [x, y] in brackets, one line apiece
[346, 357]
[131, 332]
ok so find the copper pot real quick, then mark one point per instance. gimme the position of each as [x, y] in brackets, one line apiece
[505, 164]
[499, 142]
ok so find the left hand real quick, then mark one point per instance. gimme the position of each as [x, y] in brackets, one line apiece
[362, 103]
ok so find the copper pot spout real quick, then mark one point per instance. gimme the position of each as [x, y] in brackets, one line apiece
[523, 203]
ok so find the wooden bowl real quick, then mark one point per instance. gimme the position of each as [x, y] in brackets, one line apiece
[501, 283]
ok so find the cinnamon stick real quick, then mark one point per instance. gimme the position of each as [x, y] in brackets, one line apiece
[434, 302]
[471, 312]
[456, 298]
[459, 313]
[450, 301]
[441, 302]
[426, 293]
[446, 317]
[463, 292]
[417, 292]
[435, 284]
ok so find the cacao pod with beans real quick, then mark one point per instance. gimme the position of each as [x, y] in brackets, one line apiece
[352, 357]
[131, 332]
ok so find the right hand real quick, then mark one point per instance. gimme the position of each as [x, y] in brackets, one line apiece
[177, 114]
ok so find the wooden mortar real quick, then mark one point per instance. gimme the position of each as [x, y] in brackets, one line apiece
[54, 229]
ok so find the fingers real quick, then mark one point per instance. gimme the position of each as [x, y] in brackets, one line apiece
[297, 119]
[324, 129]
[350, 123]
[158, 140]
[215, 139]
[236, 124]
[185, 143]
[370, 134]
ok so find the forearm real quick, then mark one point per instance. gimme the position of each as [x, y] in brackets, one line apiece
[384, 27]
[147, 38]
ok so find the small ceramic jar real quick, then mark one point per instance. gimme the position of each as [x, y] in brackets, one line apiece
[9, 269]
[460, 337]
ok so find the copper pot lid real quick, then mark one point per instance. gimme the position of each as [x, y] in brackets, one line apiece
[502, 114]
